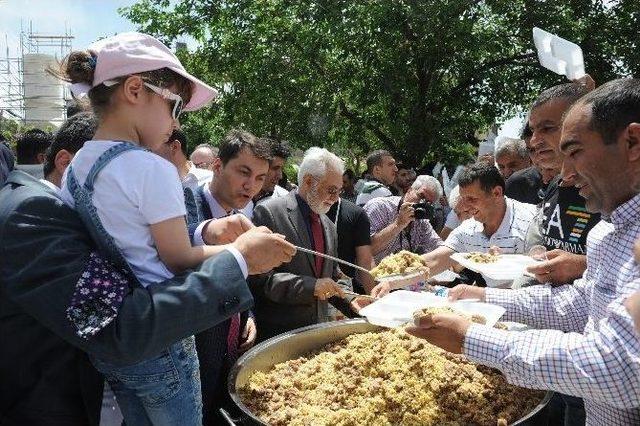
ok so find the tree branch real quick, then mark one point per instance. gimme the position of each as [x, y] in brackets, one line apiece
[356, 119]
[479, 72]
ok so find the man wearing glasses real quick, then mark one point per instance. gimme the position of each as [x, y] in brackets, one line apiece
[203, 156]
[296, 294]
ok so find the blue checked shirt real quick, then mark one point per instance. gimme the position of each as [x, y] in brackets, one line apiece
[586, 345]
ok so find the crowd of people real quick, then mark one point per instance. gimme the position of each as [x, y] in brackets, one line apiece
[128, 258]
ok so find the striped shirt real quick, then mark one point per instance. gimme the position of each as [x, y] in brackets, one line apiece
[510, 235]
[588, 346]
[419, 237]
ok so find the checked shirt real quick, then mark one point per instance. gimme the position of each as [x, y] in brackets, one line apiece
[586, 344]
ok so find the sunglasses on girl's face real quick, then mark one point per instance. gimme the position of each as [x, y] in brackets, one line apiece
[176, 101]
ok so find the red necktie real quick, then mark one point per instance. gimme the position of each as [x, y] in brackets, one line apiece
[232, 337]
[318, 240]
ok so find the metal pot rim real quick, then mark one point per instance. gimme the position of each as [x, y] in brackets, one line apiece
[256, 350]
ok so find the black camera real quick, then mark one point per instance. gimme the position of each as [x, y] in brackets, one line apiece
[423, 210]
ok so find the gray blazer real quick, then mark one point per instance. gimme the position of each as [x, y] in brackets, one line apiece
[284, 297]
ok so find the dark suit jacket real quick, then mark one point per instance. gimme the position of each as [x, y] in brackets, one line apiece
[43, 253]
[284, 297]
[211, 344]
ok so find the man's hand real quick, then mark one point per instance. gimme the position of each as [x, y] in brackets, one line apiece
[248, 335]
[447, 331]
[405, 215]
[225, 230]
[561, 267]
[359, 303]
[464, 291]
[263, 250]
[326, 288]
[381, 289]
[587, 81]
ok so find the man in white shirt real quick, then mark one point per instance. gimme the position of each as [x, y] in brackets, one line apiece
[497, 221]
[175, 151]
[382, 170]
[280, 152]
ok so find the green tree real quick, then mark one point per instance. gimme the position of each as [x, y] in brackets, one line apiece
[418, 78]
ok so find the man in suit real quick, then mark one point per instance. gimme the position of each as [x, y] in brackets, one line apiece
[46, 377]
[295, 295]
[240, 171]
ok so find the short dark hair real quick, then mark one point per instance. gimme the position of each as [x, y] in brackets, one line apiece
[278, 148]
[70, 136]
[350, 175]
[375, 158]
[526, 132]
[614, 105]
[30, 144]
[568, 92]
[485, 173]
[236, 140]
[180, 136]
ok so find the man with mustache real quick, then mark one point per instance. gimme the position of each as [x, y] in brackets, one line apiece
[584, 342]
[296, 294]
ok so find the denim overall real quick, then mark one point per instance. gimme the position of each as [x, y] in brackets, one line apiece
[163, 390]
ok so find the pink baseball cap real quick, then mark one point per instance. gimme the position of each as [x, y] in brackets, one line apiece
[132, 53]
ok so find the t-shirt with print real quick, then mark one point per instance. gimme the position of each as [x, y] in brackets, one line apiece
[135, 190]
[565, 219]
[370, 190]
[510, 235]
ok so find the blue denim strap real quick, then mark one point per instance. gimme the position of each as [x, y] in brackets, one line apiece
[107, 277]
[82, 196]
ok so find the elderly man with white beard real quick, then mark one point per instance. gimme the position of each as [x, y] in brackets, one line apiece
[296, 294]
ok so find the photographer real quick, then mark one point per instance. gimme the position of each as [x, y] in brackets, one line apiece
[403, 223]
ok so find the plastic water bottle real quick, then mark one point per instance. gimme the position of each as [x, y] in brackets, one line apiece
[441, 291]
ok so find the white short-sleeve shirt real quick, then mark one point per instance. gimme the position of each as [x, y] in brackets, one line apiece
[135, 190]
[452, 221]
[510, 235]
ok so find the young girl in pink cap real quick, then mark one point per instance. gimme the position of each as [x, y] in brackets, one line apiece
[132, 202]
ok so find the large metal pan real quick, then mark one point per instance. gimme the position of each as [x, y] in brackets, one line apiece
[299, 342]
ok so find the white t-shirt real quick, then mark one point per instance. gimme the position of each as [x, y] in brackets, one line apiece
[510, 235]
[135, 190]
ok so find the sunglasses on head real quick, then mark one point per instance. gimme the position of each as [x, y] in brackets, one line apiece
[177, 104]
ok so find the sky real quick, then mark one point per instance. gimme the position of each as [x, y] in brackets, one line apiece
[86, 20]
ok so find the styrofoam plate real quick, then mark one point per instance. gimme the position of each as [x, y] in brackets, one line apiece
[397, 308]
[508, 266]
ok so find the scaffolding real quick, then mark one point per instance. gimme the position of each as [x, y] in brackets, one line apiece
[27, 93]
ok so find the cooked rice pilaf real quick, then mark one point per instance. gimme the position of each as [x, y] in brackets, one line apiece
[384, 378]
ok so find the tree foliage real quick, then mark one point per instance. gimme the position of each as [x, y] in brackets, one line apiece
[418, 78]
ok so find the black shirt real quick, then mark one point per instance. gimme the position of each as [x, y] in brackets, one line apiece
[565, 220]
[525, 186]
[353, 231]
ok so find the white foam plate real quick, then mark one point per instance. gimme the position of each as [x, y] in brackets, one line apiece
[508, 266]
[397, 308]
[446, 276]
